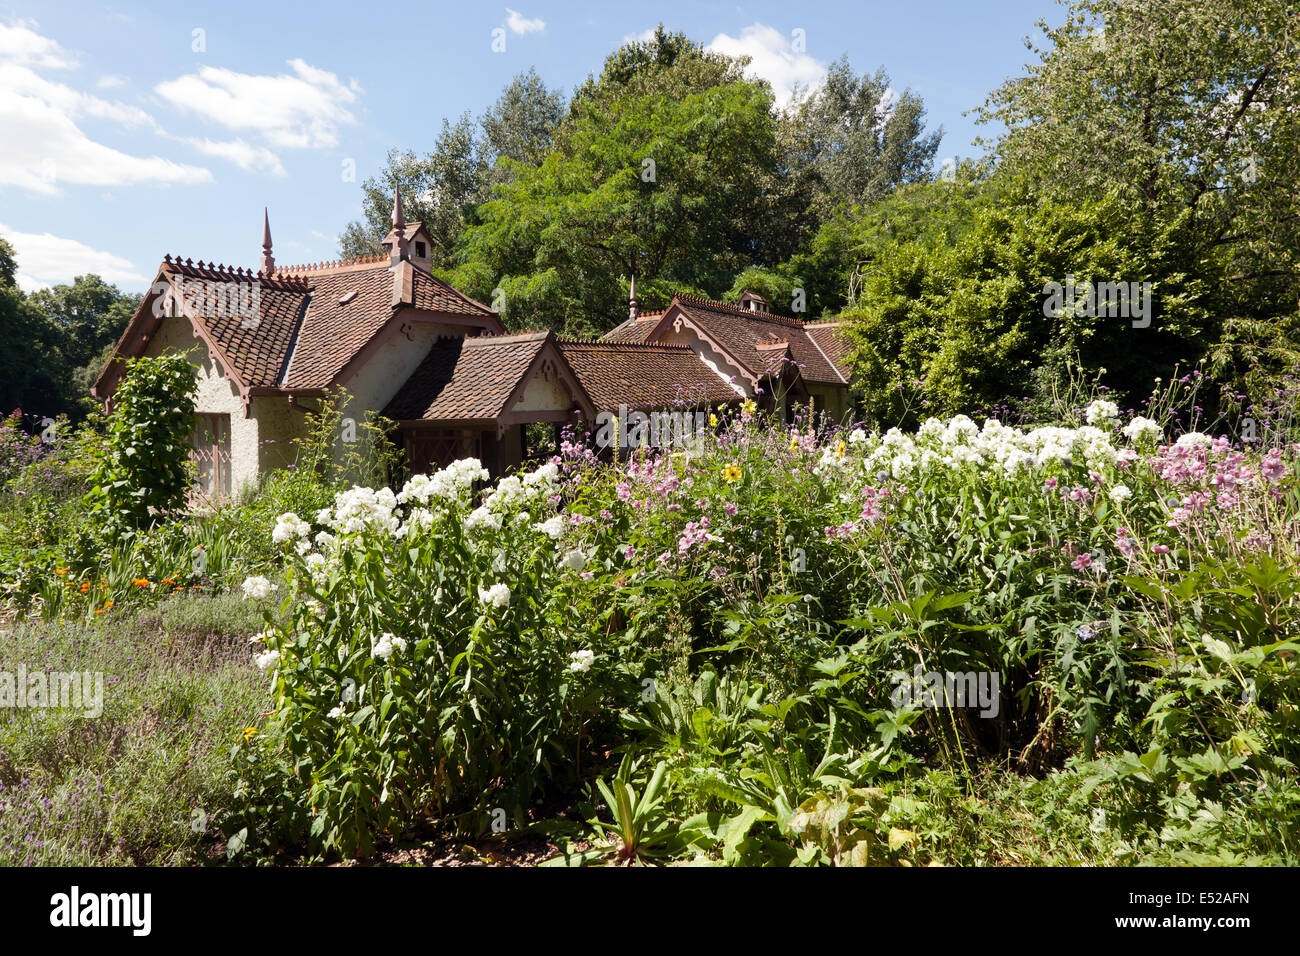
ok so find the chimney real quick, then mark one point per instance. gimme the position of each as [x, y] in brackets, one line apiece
[633, 306]
[268, 261]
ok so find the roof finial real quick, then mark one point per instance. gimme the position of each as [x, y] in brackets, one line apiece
[400, 248]
[633, 306]
[268, 261]
[399, 220]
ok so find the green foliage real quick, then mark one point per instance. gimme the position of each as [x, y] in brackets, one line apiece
[146, 474]
[1189, 113]
[944, 326]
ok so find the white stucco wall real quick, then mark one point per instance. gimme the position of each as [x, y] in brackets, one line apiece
[387, 369]
[543, 396]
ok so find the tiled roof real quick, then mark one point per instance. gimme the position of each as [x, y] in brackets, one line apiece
[644, 376]
[466, 379]
[740, 331]
[634, 330]
[831, 341]
[251, 317]
[334, 330]
[312, 320]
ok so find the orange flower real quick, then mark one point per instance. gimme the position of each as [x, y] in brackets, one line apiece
[99, 611]
[140, 582]
[107, 605]
[60, 570]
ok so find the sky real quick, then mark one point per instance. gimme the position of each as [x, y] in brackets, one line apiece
[132, 130]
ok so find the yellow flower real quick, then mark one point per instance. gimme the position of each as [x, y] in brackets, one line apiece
[794, 442]
[732, 473]
[713, 420]
[840, 448]
[250, 733]
[749, 406]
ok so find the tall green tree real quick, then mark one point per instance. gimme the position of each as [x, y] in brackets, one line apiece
[1190, 111]
[444, 188]
[852, 140]
[441, 189]
[663, 169]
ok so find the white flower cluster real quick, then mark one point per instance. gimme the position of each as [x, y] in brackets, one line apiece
[289, 527]
[386, 645]
[1143, 430]
[360, 509]
[580, 661]
[258, 587]
[1102, 413]
[455, 481]
[498, 595]
[958, 441]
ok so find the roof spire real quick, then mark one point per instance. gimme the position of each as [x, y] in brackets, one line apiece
[633, 306]
[268, 261]
[399, 220]
[401, 246]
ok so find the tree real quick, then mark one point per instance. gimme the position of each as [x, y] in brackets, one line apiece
[522, 123]
[441, 190]
[444, 188]
[853, 141]
[944, 327]
[1189, 110]
[661, 170]
[30, 378]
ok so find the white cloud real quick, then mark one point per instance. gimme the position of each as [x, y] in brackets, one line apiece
[43, 147]
[17, 80]
[20, 43]
[45, 259]
[111, 81]
[773, 59]
[519, 24]
[246, 156]
[645, 36]
[299, 110]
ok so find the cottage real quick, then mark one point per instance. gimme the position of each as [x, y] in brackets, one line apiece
[271, 344]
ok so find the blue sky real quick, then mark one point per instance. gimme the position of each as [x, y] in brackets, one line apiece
[132, 130]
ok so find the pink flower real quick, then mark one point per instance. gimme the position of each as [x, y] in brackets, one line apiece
[730, 509]
[1050, 484]
[1271, 467]
[1159, 549]
[1081, 562]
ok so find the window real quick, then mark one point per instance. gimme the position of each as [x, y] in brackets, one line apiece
[210, 452]
[419, 250]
